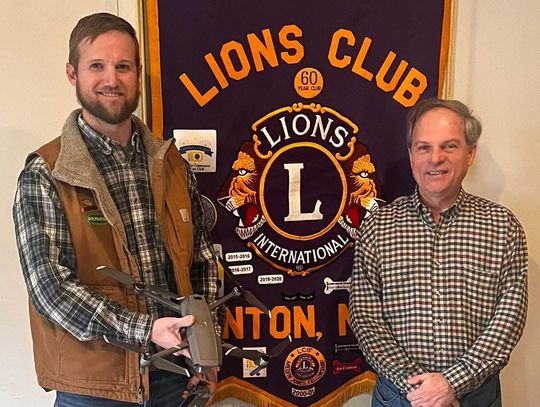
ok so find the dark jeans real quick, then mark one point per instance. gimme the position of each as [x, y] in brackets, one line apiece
[165, 391]
[487, 395]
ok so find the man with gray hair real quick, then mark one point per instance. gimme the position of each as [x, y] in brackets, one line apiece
[439, 285]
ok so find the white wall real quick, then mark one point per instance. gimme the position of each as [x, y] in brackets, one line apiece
[497, 72]
[497, 59]
[35, 100]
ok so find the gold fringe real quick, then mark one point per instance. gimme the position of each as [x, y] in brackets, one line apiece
[363, 383]
[247, 392]
[242, 390]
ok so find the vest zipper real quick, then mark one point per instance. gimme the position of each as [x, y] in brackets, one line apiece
[140, 399]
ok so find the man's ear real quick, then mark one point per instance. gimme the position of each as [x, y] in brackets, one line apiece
[472, 155]
[71, 74]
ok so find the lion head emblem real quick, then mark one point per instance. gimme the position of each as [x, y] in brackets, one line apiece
[364, 190]
[239, 194]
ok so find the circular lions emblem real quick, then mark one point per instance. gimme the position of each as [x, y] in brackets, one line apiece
[300, 188]
[304, 366]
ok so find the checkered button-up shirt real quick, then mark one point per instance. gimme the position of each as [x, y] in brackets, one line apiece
[48, 260]
[448, 297]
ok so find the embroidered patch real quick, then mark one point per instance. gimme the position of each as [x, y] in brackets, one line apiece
[96, 219]
[198, 147]
[184, 213]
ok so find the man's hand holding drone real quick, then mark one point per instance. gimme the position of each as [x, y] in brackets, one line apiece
[167, 332]
[193, 336]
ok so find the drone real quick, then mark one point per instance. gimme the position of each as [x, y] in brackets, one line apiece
[204, 344]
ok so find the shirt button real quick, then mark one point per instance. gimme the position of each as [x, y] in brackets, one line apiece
[438, 321]
[147, 271]
[440, 351]
[437, 262]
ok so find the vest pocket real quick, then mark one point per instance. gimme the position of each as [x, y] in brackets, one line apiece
[92, 361]
[95, 361]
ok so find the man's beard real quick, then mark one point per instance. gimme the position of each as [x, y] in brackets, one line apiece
[95, 108]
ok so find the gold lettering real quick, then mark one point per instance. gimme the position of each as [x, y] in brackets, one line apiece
[304, 322]
[357, 67]
[334, 45]
[380, 78]
[201, 98]
[216, 70]
[288, 57]
[256, 314]
[343, 319]
[407, 86]
[259, 49]
[236, 324]
[283, 313]
[236, 48]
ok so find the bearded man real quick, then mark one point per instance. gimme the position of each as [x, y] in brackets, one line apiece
[108, 193]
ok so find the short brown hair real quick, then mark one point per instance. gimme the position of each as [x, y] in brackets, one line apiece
[473, 128]
[92, 26]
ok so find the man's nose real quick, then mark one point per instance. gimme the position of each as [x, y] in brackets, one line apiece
[437, 155]
[110, 76]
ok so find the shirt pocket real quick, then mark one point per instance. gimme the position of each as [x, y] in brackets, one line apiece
[400, 287]
[477, 292]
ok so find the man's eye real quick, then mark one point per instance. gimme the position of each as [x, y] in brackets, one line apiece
[96, 66]
[123, 68]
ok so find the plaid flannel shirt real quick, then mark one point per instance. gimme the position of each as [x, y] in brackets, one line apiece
[448, 297]
[48, 261]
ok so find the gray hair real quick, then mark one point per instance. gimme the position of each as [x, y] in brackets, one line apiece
[473, 128]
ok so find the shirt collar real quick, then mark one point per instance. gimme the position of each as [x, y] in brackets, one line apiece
[104, 143]
[451, 212]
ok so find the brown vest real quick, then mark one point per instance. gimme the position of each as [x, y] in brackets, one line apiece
[94, 367]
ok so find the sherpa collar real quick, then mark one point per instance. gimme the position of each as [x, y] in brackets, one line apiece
[76, 167]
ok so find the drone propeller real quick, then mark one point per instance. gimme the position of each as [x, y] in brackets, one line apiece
[124, 345]
[239, 290]
[251, 354]
[251, 299]
[165, 364]
[280, 347]
[124, 278]
[156, 359]
[265, 358]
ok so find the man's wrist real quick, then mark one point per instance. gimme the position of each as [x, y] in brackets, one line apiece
[456, 378]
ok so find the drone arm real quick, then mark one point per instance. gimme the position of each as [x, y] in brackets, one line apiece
[174, 349]
[140, 290]
[234, 293]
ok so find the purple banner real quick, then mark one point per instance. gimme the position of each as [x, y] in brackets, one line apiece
[293, 116]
